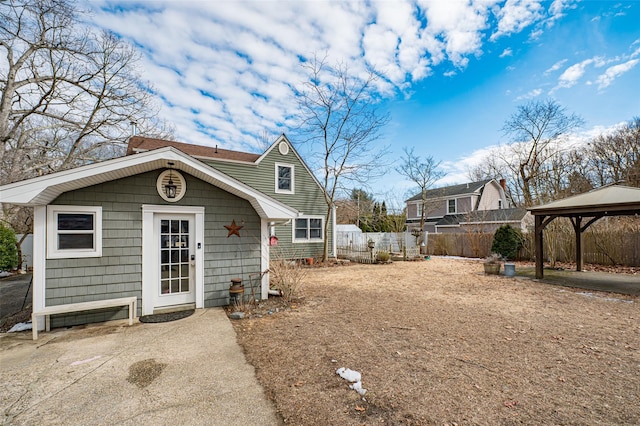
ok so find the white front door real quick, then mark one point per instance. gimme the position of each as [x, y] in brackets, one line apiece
[175, 284]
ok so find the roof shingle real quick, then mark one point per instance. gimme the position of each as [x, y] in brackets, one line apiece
[141, 143]
[450, 191]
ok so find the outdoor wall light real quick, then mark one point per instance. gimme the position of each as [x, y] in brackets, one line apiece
[170, 188]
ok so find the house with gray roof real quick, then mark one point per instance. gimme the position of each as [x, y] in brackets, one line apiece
[169, 224]
[483, 205]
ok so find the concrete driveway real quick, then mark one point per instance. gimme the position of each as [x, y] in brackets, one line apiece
[15, 294]
[190, 371]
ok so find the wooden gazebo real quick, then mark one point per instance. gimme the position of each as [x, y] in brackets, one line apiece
[583, 210]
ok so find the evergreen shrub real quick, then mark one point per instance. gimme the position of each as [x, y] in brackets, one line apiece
[8, 249]
[507, 241]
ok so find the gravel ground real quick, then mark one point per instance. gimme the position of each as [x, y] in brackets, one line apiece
[438, 342]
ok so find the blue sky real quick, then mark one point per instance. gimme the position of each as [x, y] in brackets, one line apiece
[454, 70]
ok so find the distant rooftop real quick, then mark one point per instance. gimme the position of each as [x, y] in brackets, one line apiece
[449, 191]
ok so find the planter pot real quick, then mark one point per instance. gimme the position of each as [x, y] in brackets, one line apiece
[492, 268]
[509, 269]
[236, 291]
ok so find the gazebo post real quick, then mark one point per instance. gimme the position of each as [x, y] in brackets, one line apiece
[539, 246]
[577, 228]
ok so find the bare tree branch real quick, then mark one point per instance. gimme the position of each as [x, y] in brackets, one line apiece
[339, 119]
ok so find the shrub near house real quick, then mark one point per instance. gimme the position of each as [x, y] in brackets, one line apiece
[8, 249]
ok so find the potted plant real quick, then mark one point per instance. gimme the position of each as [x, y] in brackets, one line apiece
[492, 264]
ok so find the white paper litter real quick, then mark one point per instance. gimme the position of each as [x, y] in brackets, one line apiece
[354, 377]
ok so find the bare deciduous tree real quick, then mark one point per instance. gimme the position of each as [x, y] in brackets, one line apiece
[533, 127]
[68, 95]
[423, 173]
[339, 118]
[616, 157]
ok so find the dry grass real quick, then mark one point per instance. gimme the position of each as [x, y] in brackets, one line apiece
[438, 342]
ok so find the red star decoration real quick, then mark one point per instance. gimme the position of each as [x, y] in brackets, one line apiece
[233, 228]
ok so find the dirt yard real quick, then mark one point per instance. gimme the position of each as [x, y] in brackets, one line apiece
[438, 342]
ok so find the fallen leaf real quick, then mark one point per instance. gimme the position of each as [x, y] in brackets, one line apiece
[359, 408]
[511, 403]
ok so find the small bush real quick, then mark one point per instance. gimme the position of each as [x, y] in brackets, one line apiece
[383, 256]
[507, 241]
[288, 277]
[8, 249]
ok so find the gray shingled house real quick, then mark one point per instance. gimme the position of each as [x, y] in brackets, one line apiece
[451, 209]
[170, 224]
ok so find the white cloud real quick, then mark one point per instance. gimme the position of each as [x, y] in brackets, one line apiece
[614, 72]
[530, 95]
[506, 52]
[225, 70]
[516, 15]
[571, 75]
[556, 66]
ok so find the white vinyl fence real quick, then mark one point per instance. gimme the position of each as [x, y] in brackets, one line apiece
[355, 245]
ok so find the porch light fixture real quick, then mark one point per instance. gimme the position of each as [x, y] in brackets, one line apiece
[170, 188]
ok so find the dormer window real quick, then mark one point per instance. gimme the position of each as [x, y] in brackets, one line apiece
[284, 179]
[452, 206]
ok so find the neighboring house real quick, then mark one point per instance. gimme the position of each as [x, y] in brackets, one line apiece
[169, 223]
[481, 205]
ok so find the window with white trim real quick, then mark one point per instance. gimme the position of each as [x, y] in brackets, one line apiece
[308, 229]
[452, 206]
[419, 209]
[285, 183]
[74, 231]
[499, 204]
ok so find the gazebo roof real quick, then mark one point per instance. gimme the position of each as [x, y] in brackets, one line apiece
[615, 200]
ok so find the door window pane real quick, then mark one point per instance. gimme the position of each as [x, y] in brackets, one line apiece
[175, 258]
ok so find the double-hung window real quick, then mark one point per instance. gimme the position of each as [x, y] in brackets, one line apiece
[308, 229]
[74, 231]
[451, 206]
[285, 183]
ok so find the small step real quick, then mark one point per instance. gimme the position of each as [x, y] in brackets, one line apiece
[174, 308]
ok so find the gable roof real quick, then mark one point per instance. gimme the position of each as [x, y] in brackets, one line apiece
[44, 189]
[453, 190]
[139, 144]
[608, 201]
[485, 216]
